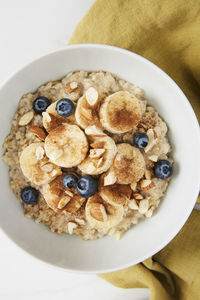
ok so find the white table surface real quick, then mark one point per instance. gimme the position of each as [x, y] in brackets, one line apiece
[28, 29]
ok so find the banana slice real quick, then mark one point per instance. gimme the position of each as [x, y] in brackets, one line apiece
[128, 165]
[51, 119]
[86, 113]
[36, 166]
[61, 199]
[115, 194]
[120, 112]
[101, 154]
[101, 214]
[66, 145]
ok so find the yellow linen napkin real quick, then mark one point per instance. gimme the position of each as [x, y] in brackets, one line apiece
[168, 34]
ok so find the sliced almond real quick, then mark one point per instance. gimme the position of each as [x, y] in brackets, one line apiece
[39, 132]
[137, 196]
[55, 154]
[75, 203]
[69, 193]
[149, 213]
[92, 97]
[80, 221]
[46, 116]
[100, 162]
[143, 206]
[145, 182]
[147, 174]
[26, 118]
[71, 86]
[133, 186]
[87, 113]
[39, 153]
[71, 226]
[153, 158]
[97, 145]
[55, 172]
[152, 140]
[132, 204]
[96, 153]
[98, 212]
[93, 130]
[47, 168]
[151, 185]
[109, 179]
[63, 202]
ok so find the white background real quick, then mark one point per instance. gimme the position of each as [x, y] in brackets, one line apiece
[28, 29]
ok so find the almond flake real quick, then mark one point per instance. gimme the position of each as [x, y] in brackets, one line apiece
[71, 86]
[143, 206]
[26, 118]
[147, 174]
[70, 194]
[137, 196]
[98, 212]
[96, 153]
[93, 130]
[100, 162]
[55, 172]
[92, 96]
[39, 132]
[80, 221]
[39, 152]
[132, 204]
[46, 116]
[63, 202]
[133, 186]
[152, 140]
[151, 185]
[145, 182]
[110, 179]
[153, 157]
[149, 213]
[71, 226]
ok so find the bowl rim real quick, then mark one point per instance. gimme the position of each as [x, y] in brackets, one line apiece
[193, 117]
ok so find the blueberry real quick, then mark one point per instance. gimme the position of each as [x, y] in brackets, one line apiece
[29, 195]
[87, 186]
[140, 140]
[70, 181]
[163, 169]
[65, 107]
[40, 104]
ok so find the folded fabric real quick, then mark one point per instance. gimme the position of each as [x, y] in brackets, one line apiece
[168, 34]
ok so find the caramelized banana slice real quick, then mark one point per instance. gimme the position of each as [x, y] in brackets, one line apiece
[101, 214]
[61, 199]
[128, 165]
[66, 145]
[36, 166]
[101, 154]
[120, 112]
[86, 113]
[115, 194]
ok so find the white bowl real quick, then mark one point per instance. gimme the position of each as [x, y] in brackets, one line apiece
[150, 235]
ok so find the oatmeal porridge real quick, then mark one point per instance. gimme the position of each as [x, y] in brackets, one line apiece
[88, 155]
